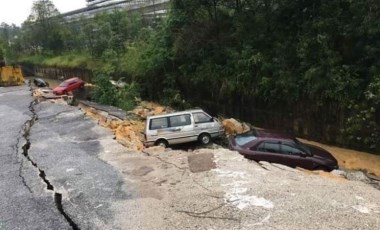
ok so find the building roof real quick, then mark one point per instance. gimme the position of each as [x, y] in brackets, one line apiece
[96, 6]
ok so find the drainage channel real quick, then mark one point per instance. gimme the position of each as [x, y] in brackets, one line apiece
[25, 152]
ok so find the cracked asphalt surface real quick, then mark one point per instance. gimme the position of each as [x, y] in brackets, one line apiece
[24, 201]
[66, 144]
[51, 177]
[72, 174]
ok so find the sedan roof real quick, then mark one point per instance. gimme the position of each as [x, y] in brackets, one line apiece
[72, 79]
[255, 135]
[269, 134]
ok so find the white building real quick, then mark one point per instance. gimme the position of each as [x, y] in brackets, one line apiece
[152, 8]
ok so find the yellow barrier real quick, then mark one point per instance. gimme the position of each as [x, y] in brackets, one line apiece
[11, 76]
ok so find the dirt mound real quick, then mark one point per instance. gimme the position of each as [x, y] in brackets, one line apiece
[232, 126]
[145, 109]
[128, 133]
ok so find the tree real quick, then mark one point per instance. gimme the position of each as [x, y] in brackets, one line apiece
[9, 42]
[43, 27]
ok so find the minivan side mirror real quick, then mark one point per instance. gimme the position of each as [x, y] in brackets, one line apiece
[212, 119]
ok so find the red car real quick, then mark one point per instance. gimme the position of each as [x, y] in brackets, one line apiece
[265, 145]
[68, 85]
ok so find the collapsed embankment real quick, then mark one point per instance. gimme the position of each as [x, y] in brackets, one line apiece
[128, 128]
[129, 133]
[327, 122]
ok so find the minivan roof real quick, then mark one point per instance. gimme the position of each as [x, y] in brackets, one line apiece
[176, 113]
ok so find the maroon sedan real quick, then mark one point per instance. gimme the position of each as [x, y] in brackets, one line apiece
[69, 85]
[264, 145]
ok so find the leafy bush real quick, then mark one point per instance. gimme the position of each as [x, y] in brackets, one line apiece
[106, 93]
[127, 96]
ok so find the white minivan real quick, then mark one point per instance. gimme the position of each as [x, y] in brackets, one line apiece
[181, 127]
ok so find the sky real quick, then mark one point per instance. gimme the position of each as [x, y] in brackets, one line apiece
[17, 11]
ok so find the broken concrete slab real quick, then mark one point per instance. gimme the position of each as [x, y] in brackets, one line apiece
[201, 162]
[357, 176]
[113, 111]
[142, 171]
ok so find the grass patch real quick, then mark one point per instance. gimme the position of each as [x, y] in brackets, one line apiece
[70, 60]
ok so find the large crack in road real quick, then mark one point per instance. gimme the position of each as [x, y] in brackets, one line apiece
[25, 152]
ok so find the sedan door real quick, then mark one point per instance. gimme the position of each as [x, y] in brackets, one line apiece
[295, 157]
[71, 86]
[269, 151]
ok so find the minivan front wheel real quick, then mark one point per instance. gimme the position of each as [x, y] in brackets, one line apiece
[205, 139]
[162, 143]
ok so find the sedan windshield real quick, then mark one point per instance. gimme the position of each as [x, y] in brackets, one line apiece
[63, 84]
[245, 138]
[302, 146]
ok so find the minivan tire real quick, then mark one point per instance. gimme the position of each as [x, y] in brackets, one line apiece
[162, 143]
[205, 138]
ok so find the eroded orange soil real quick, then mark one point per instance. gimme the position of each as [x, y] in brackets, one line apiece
[129, 133]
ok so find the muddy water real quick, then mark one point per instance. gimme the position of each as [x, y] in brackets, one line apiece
[351, 159]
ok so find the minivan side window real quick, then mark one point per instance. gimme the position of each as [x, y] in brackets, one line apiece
[180, 120]
[159, 123]
[200, 118]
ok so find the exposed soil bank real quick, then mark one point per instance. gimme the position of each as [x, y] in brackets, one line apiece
[129, 134]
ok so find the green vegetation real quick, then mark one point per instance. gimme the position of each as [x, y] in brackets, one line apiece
[307, 66]
[69, 60]
[106, 93]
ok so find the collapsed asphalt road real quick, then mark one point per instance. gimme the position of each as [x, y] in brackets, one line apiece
[66, 144]
[51, 177]
[24, 201]
[72, 174]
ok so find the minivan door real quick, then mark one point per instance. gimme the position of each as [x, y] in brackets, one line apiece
[203, 123]
[180, 129]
